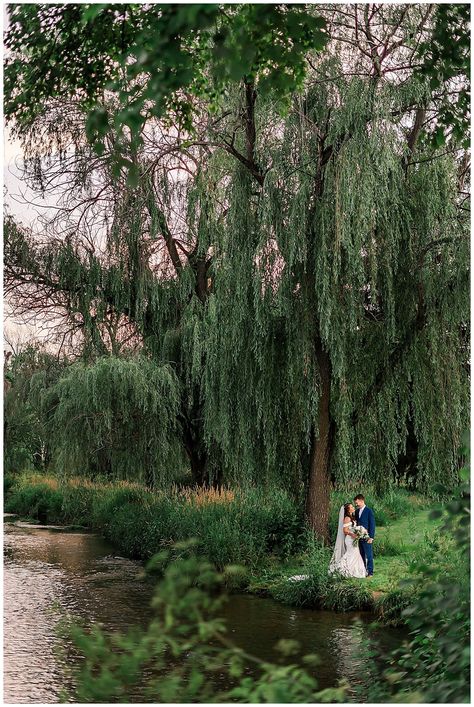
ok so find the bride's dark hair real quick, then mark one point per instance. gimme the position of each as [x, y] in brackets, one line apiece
[347, 512]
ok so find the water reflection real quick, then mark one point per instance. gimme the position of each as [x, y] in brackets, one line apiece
[339, 640]
[31, 671]
[78, 574]
[81, 574]
[349, 646]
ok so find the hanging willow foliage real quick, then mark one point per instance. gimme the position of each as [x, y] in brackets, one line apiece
[385, 254]
[116, 417]
[26, 439]
[353, 241]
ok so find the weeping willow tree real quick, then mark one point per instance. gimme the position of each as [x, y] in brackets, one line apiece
[315, 309]
[120, 417]
[337, 316]
[27, 442]
[117, 418]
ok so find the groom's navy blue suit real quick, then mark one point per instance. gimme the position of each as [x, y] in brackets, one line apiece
[367, 519]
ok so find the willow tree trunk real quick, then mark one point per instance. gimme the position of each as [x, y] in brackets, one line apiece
[319, 479]
[198, 462]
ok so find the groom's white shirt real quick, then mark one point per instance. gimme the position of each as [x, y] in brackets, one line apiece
[361, 510]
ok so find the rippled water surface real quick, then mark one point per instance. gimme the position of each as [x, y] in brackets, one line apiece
[47, 572]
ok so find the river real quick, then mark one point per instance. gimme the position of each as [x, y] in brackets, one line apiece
[48, 571]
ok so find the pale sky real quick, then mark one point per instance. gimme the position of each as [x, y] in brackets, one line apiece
[14, 193]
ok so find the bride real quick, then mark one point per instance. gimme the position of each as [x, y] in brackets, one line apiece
[346, 558]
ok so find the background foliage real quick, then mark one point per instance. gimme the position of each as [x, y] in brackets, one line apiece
[283, 229]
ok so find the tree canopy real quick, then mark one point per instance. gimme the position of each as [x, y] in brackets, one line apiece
[304, 272]
[154, 58]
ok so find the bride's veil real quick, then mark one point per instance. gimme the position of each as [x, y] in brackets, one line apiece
[340, 546]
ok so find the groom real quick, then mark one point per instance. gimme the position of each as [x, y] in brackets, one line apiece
[365, 517]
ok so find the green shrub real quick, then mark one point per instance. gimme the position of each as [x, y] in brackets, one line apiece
[127, 530]
[242, 527]
[38, 501]
[187, 645]
[78, 504]
[433, 665]
[8, 482]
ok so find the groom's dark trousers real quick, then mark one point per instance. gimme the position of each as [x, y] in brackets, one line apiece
[367, 519]
[367, 553]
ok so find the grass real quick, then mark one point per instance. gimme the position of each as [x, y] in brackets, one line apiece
[407, 537]
[398, 543]
[233, 527]
[262, 531]
[319, 589]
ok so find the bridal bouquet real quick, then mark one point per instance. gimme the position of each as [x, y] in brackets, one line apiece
[361, 534]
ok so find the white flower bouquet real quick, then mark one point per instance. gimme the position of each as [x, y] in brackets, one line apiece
[361, 534]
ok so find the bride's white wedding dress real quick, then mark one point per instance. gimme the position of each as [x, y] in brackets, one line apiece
[346, 558]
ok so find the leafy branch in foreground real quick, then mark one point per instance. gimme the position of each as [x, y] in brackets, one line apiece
[184, 652]
[433, 665]
[445, 56]
[155, 57]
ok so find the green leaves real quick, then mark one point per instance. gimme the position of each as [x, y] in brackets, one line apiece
[97, 126]
[287, 647]
[267, 44]
[148, 55]
[446, 62]
[439, 137]
[27, 442]
[435, 663]
[112, 401]
[90, 12]
[186, 645]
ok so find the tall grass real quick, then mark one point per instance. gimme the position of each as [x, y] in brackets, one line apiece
[391, 606]
[241, 527]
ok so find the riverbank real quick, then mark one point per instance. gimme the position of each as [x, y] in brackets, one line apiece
[403, 544]
[261, 532]
[50, 574]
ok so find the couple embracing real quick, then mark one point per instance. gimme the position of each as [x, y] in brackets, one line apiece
[353, 553]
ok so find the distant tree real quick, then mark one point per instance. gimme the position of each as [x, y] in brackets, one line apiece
[116, 418]
[27, 442]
